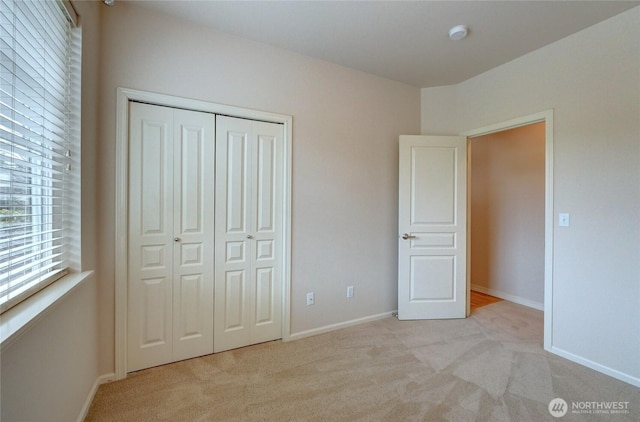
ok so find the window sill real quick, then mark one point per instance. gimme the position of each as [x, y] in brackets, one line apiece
[17, 320]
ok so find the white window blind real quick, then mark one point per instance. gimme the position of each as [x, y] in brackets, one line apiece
[35, 136]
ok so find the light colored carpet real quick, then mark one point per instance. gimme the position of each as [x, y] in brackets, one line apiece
[489, 367]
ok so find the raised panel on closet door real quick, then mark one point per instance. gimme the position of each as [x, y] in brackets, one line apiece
[149, 316]
[233, 154]
[193, 231]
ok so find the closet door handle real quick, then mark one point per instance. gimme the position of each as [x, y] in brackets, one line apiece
[249, 236]
[407, 236]
[176, 239]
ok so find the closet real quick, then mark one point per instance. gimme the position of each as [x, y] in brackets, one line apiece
[204, 234]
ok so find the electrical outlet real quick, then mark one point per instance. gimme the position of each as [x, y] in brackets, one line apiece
[349, 292]
[310, 299]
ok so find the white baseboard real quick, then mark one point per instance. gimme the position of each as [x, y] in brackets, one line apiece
[102, 379]
[506, 296]
[340, 325]
[597, 367]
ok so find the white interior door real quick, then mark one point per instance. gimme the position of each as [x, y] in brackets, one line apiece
[249, 247]
[432, 226]
[193, 228]
[170, 235]
[150, 269]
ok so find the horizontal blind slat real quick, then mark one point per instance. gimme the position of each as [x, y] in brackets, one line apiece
[17, 139]
[22, 263]
[18, 282]
[21, 266]
[6, 255]
[26, 114]
[24, 160]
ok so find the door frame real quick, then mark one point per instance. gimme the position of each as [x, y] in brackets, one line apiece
[546, 117]
[124, 97]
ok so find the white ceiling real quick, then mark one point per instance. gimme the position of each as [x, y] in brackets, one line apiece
[405, 41]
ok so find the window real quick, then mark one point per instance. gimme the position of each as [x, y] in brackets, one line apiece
[38, 137]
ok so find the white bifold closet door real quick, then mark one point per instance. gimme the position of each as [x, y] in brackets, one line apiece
[248, 230]
[170, 235]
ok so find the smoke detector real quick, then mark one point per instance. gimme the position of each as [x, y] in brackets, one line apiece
[458, 32]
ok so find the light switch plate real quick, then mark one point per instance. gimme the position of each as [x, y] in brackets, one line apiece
[563, 219]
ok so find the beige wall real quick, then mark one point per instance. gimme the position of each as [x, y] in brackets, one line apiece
[507, 214]
[49, 370]
[345, 129]
[591, 81]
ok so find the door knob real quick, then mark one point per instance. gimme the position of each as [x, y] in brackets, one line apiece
[249, 236]
[176, 239]
[407, 236]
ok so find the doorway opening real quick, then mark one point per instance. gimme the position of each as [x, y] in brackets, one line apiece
[506, 213]
[510, 224]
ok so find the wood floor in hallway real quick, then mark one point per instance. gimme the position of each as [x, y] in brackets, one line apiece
[480, 299]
